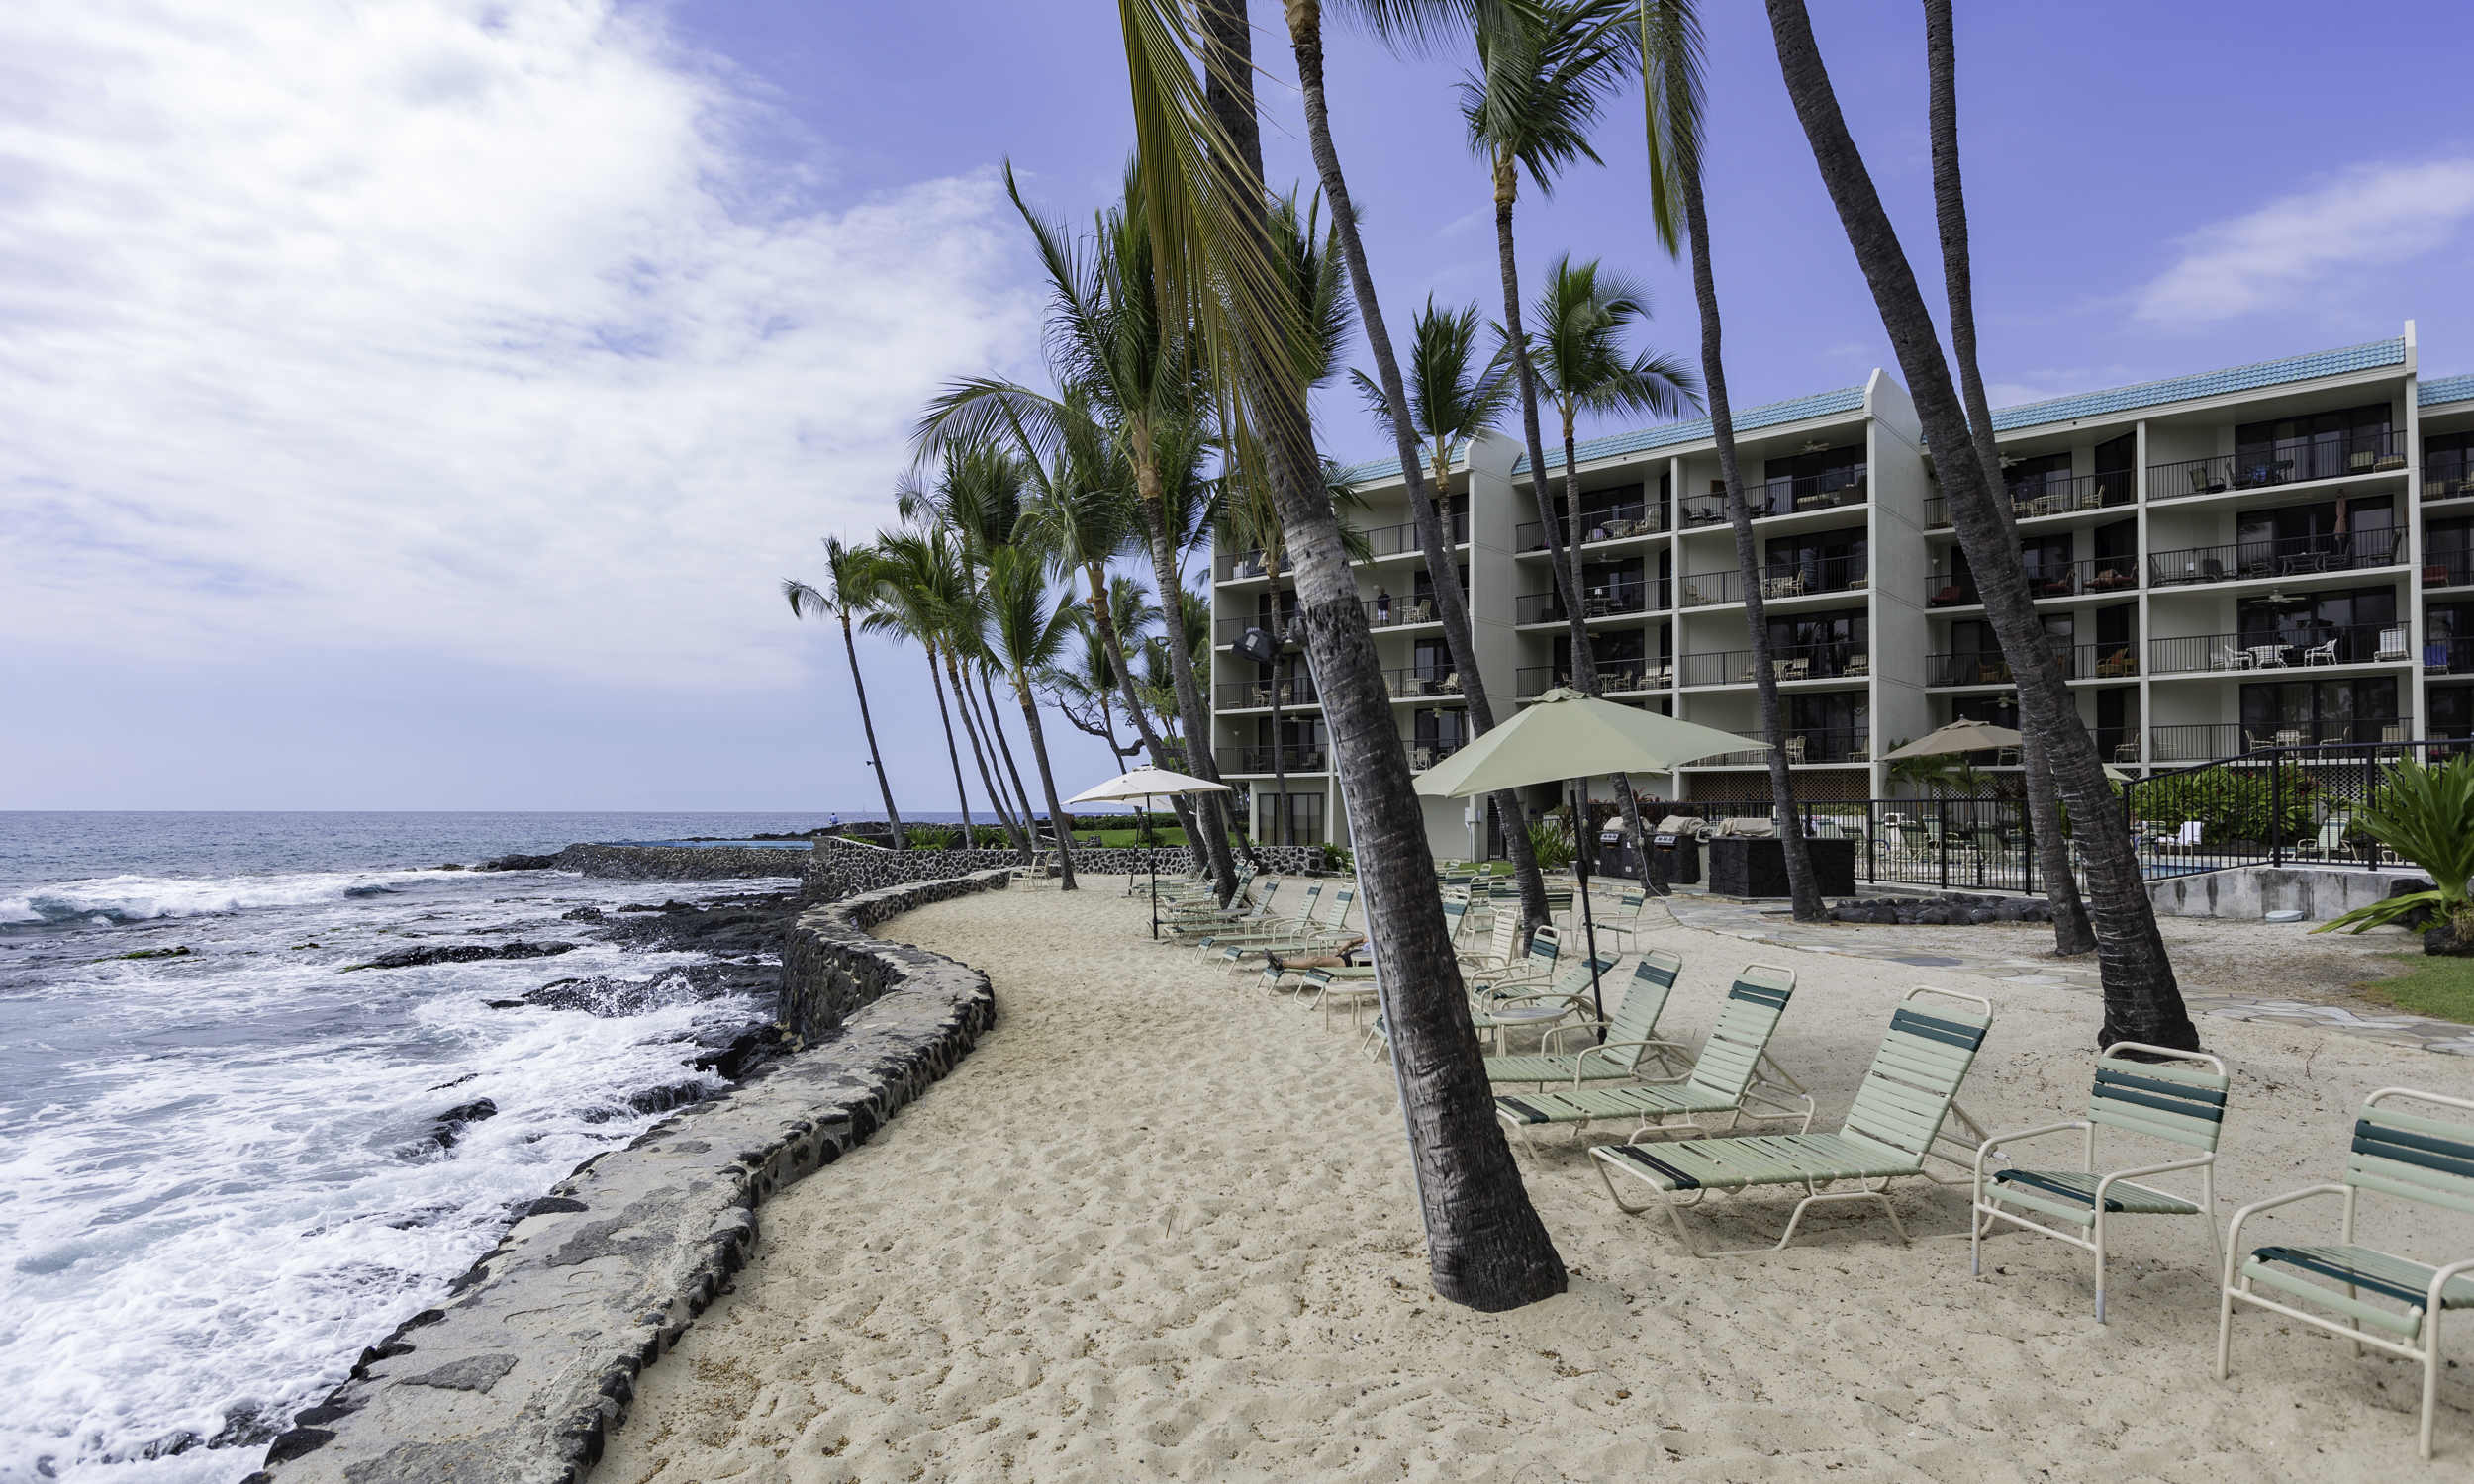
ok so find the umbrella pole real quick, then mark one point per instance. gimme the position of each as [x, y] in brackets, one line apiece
[1153, 862]
[1588, 922]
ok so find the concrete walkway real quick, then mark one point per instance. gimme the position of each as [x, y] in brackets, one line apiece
[1755, 922]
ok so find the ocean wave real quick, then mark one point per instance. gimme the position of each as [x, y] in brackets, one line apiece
[140, 898]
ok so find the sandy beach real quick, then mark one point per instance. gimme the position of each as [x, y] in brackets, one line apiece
[1159, 1226]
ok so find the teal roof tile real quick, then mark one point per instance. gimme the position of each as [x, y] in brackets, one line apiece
[1665, 434]
[2206, 384]
[2446, 389]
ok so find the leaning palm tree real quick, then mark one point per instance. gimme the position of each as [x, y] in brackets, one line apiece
[1200, 151]
[1082, 688]
[1027, 633]
[848, 591]
[1578, 356]
[976, 499]
[2142, 1002]
[2072, 933]
[902, 607]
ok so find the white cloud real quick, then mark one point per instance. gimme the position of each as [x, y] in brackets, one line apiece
[2376, 215]
[457, 324]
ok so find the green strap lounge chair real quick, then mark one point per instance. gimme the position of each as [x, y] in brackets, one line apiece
[1265, 929]
[1633, 914]
[1535, 966]
[1629, 1036]
[1333, 988]
[1906, 1096]
[1203, 916]
[2427, 1160]
[1727, 1078]
[2177, 1104]
[1526, 1005]
[1329, 934]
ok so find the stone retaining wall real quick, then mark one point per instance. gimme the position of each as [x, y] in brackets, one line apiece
[519, 1377]
[840, 869]
[2250, 892]
[680, 863]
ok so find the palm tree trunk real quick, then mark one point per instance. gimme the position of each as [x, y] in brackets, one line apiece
[1190, 706]
[2142, 1002]
[979, 755]
[1486, 1244]
[868, 726]
[1047, 782]
[961, 794]
[2072, 933]
[1624, 798]
[1425, 508]
[1804, 892]
[1004, 746]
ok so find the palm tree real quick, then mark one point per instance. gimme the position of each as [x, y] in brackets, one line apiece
[2072, 933]
[1485, 1244]
[1084, 687]
[2142, 1002]
[903, 606]
[1029, 634]
[1578, 352]
[851, 585]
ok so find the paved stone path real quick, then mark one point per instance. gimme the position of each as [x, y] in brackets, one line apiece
[1756, 924]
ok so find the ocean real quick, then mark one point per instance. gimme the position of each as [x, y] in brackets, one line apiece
[221, 1171]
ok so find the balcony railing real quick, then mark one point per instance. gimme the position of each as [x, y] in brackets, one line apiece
[1852, 660]
[1783, 497]
[1260, 759]
[2452, 656]
[1426, 752]
[1805, 744]
[1600, 601]
[1422, 680]
[2297, 556]
[1244, 695]
[2325, 458]
[2050, 495]
[1612, 524]
[1615, 676]
[1988, 668]
[2447, 475]
[1829, 575]
[2086, 577]
[1391, 540]
[2343, 644]
[2195, 744]
[2447, 569]
[1400, 612]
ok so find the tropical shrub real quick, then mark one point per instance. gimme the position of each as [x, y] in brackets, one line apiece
[1552, 846]
[929, 837]
[2426, 815]
[2232, 803]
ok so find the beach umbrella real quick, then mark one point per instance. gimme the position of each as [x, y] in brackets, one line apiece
[1565, 734]
[1958, 736]
[1142, 784]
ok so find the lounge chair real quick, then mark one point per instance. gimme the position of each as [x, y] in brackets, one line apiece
[1724, 1078]
[1333, 988]
[2177, 1104]
[1334, 931]
[1204, 915]
[1624, 923]
[1524, 1005]
[1210, 936]
[2427, 1160]
[1906, 1096]
[1299, 935]
[1631, 1036]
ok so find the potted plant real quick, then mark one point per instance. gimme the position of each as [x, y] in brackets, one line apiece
[2426, 815]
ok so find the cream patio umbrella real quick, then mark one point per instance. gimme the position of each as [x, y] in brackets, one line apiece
[1958, 736]
[1143, 785]
[1565, 734]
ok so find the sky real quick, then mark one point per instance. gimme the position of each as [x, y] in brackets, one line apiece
[417, 403]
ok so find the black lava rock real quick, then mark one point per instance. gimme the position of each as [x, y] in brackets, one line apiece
[465, 953]
[451, 1123]
[518, 862]
[581, 915]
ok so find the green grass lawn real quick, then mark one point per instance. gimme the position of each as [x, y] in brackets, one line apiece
[2442, 988]
[1113, 839]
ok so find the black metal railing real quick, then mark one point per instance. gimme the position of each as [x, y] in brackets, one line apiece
[1804, 745]
[1257, 563]
[2447, 569]
[2198, 743]
[1230, 630]
[1783, 496]
[1598, 601]
[2085, 578]
[2348, 457]
[1422, 680]
[1260, 759]
[1400, 612]
[1845, 660]
[1241, 696]
[1616, 523]
[1391, 540]
[2050, 495]
[2272, 804]
[1826, 575]
[2450, 656]
[1615, 678]
[1426, 752]
[2335, 644]
[2447, 474]
[2297, 556]
[1988, 668]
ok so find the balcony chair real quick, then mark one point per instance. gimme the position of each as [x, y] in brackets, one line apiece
[2228, 657]
[1857, 663]
[1794, 749]
[2108, 580]
[2436, 577]
[1943, 597]
[1792, 669]
[2321, 654]
[2392, 646]
[2119, 662]
[2268, 656]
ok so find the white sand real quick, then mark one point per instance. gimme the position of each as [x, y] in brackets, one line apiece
[1156, 1226]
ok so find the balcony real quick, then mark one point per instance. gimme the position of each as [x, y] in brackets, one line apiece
[2046, 495]
[1605, 600]
[2325, 458]
[2200, 744]
[1620, 523]
[1251, 696]
[1829, 575]
[1782, 497]
[2447, 569]
[1391, 540]
[2088, 577]
[1850, 660]
[1422, 680]
[1426, 752]
[1803, 745]
[2448, 656]
[1255, 563]
[1400, 612]
[1262, 758]
[2257, 561]
[2346, 644]
[1615, 678]
[2447, 474]
[1987, 667]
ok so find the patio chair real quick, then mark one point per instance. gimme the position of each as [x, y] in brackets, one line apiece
[1222, 936]
[1943, 597]
[1631, 1035]
[1519, 1004]
[1907, 1093]
[1857, 663]
[2392, 646]
[1309, 939]
[2415, 1158]
[1728, 1077]
[1623, 922]
[2177, 1104]
[1203, 912]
